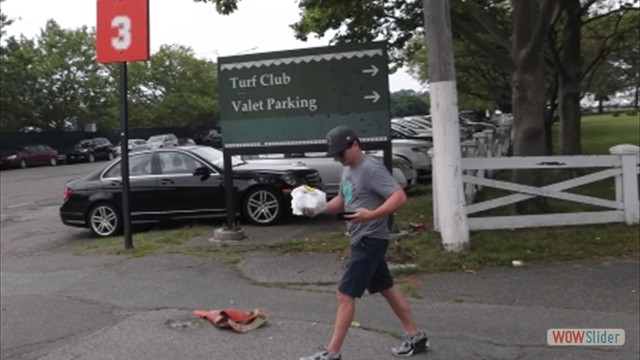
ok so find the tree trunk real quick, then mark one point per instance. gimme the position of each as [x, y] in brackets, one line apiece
[549, 120]
[569, 81]
[528, 112]
[550, 116]
[528, 109]
[600, 106]
[528, 90]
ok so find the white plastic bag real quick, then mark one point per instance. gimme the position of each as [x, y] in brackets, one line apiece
[308, 198]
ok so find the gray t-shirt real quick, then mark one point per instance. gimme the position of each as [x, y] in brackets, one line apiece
[367, 185]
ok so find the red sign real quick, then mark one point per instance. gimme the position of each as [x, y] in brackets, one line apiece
[122, 31]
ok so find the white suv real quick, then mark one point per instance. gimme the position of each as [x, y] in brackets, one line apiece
[162, 141]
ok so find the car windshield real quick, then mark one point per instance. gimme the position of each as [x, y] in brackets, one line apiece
[404, 130]
[130, 142]
[156, 139]
[84, 144]
[216, 156]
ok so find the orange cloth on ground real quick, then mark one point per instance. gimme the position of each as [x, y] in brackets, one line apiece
[236, 320]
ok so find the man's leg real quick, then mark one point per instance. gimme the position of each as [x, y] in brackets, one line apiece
[344, 317]
[414, 341]
[399, 305]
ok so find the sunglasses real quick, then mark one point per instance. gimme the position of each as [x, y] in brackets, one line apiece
[340, 155]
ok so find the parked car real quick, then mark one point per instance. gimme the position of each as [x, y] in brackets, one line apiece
[415, 151]
[419, 128]
[31, 155]
[91, 150]
[181, 183]
[331, 170]
[209, 137]
[162, 141]
[477, 126]
[400, 130]
[134, 145]
[416, 122]
[186, 141]
[402, 170]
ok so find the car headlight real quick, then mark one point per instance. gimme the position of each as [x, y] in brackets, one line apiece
[11, 157]
[290, 179]
[402, 164]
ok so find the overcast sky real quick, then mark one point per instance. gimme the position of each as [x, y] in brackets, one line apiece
[257, 26]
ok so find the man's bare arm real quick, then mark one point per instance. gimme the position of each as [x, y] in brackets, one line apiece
[334, 206]
[394, 202]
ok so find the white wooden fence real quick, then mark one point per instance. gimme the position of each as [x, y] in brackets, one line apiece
[486, 154]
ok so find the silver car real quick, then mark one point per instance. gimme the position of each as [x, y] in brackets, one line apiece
[162, 141]
[330, 170]
[134, 145]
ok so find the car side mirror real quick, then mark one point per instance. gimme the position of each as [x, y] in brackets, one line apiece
[203, 172]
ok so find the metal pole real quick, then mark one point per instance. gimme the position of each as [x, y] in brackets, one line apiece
[388, 162]
[229, 191]
[124, 156]
[452, 217]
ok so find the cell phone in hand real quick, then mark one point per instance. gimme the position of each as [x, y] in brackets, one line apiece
[340, 216]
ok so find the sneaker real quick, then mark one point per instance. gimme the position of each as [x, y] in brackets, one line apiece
[412, 344]
[322, 354]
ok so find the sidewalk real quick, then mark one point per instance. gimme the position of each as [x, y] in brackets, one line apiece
[144, 309]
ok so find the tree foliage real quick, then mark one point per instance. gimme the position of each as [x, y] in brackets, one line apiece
[53, 82]
[520, 55]
[611, 50]
[396, 21]
[4, 22]
[408, 102]
[174, 89]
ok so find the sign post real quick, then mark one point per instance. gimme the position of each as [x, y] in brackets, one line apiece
[292, 98]
[287, 101]
[122, 35]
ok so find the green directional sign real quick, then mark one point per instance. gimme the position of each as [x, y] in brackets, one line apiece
[295, 97]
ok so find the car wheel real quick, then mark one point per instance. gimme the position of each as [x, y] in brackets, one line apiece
[104, 220]
[263, 206]
[53, 161]
[23, 163]
[92, 158]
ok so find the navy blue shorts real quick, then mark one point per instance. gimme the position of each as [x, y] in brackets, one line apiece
[367, 268]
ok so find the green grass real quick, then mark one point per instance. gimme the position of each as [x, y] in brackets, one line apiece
[144, 244]
[600, 132]
[488, 248]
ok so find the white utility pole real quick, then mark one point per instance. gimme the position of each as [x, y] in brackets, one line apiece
[447, 180]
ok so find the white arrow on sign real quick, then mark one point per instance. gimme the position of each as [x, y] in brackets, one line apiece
[373, 70]
[375, 97]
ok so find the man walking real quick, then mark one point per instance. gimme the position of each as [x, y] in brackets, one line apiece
[368, 195]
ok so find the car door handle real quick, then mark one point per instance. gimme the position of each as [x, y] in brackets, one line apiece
[166, 182]
[116, 183]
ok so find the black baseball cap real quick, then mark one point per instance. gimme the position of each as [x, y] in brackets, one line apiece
[339, 139]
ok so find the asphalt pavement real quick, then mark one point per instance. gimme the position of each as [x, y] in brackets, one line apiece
[58, 306]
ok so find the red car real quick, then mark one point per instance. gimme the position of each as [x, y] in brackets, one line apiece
[31, 155]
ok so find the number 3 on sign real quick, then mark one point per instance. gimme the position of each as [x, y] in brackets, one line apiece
[122, 33]
[123, 40]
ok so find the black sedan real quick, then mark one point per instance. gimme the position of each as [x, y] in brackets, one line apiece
[91, 150]
[181, 183]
